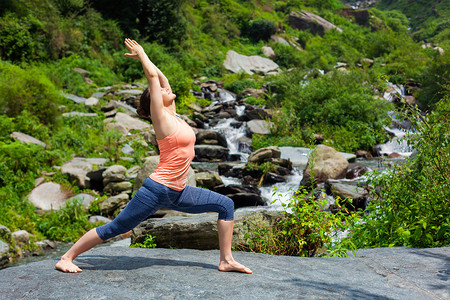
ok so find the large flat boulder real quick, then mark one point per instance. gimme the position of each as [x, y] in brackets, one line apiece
[130, 273]
[304, 20]
[236, 63]
[48, 196]
[25, 138]
[196, 231]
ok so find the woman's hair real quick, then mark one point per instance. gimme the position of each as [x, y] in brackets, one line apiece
[143, 109]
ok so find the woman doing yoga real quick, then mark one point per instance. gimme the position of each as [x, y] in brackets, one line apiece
[166, 187]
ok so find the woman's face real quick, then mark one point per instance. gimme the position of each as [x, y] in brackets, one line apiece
[167, 95]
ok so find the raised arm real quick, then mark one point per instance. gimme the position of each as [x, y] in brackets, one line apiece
[152, 73]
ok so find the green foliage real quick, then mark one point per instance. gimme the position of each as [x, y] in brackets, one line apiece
[435, 81]
[255, 101]
[304, 230]
[338, 105]
[241, 81]
[149, 242]
[67, 224]
[411, 206]
[28, 89]
[260, 29]
[62, 73]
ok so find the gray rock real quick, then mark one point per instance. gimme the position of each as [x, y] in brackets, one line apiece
[114, 170]
[25, 138]
[92, 101]
[308, 21]
[359, 195]
[96, 219]
[208, 180]
[150, 166]
[259, 127]
[129, 92]
[250, 92]
[4, 232]
[211, 152]
[84, 199]
[127, 149]
[118, 187]
[208, 135]
[109, 205]
[114, 178]
[4, 255]
[129, 109]
[39, 181]
[260, 155]
[300, 155]
[258, 114]
[79, 114]
[98, 95]
[21, 237]
[117, 273]
[268, 51]
[47, 196]
[110, 125]
[194, 231]
[324, 163]
[279, 39]
[250, 64]
[74, 98]
[77, 170]
[131, 123]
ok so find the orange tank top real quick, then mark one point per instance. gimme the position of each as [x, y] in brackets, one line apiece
[176, 154]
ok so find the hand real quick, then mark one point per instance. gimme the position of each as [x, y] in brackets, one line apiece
[134, 48]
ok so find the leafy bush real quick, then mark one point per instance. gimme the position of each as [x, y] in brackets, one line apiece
[67, 224]
[149, 242]
[260, 29]
[334, 104]
[304, 230]
[28, 89]
[410, 206]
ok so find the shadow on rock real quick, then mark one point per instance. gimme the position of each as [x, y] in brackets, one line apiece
[102, 262]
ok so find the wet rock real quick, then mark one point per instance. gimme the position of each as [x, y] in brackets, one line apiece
[324, 163]
[46, 245]
[249, 64]
[25, 138]
[242, 195]
[208, 135]
[250, 92]
[358, 195]
[308, 21]
[364, 154]
[263, 154]
[356, 171]
[47, 196]
[259, 114]
[210, 152]
[395, 155]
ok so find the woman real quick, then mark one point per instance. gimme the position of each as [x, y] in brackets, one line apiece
[166, 187]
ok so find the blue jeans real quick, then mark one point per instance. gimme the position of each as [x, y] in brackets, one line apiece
[153, 196]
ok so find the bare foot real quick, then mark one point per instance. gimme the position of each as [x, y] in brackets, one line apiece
[66, 265]
[233, 266]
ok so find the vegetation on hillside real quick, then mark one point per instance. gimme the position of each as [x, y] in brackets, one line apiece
[42, 41]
